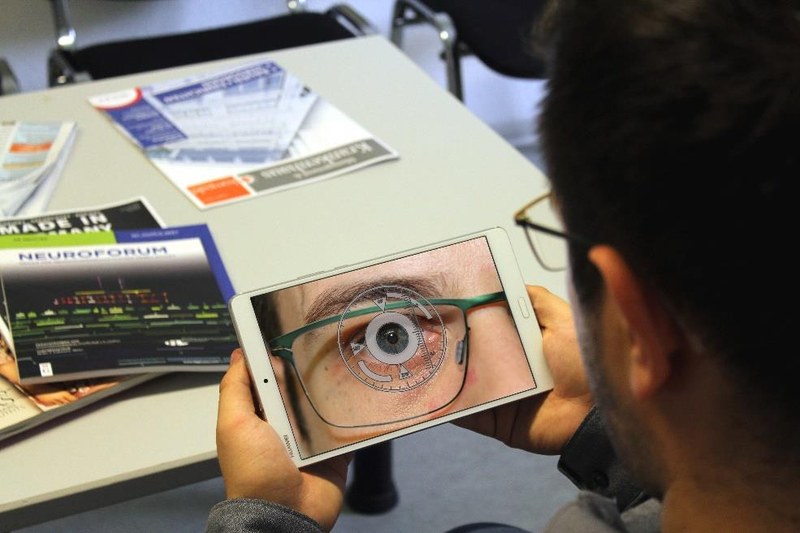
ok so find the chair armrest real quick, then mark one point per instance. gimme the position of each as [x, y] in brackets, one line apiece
[65, 31]
[422, 13]
[8, 81]
[296, 6]
[352, 19]
[60, 70]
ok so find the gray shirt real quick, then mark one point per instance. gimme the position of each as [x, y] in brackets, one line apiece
[589, 513]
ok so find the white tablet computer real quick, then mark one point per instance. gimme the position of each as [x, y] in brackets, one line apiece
[364, 353]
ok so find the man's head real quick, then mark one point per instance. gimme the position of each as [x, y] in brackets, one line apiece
[671, 131]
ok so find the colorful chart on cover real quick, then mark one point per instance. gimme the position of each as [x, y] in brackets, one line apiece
[116, 302]
[235, 134]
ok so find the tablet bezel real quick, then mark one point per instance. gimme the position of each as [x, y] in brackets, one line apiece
[268, 395]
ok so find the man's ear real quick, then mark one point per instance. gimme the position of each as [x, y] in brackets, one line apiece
[653, 334]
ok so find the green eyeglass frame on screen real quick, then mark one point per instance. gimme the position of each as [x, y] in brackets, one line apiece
[282, 346]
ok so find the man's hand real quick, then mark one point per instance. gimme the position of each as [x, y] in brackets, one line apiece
[254, 461]
[545, 422]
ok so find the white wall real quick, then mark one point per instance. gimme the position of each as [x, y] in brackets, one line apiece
[27, 33]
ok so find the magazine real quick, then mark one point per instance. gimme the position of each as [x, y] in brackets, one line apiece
[116, 302]
[234, 134]
[24, 407]
[32, 156]
[135, 213]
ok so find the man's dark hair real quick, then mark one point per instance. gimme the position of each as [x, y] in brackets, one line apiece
[671, 131]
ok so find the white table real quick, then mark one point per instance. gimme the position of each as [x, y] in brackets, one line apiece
[454, 175]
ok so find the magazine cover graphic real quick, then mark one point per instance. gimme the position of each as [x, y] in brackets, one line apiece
[130, 214]
[135, 213]
[117, 302]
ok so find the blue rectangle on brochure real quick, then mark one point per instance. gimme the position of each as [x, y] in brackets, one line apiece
[219, 83]
[145, 124]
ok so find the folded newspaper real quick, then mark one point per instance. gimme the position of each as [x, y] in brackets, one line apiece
[238, 133]
[32, 155]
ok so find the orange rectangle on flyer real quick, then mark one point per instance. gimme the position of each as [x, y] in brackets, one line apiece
[218, 190]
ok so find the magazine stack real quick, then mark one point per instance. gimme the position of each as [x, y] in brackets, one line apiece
[99, 300]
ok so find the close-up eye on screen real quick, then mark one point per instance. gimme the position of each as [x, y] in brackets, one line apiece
[384, 347]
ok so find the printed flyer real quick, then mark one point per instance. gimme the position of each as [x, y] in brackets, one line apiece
[32, 156]
[235, 134]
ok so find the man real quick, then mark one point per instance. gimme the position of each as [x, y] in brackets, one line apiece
[345, 354]
[670, 132]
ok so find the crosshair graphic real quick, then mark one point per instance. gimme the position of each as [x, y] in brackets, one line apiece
[398, 344]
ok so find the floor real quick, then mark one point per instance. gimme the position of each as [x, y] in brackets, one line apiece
[445, 476]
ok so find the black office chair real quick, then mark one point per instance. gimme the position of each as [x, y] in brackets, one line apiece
[68, 63]
[498, 32]
[8, 81]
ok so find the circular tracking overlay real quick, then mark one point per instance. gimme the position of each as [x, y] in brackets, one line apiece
[392, 338]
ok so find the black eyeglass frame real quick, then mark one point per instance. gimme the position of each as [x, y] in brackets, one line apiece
[523, 221]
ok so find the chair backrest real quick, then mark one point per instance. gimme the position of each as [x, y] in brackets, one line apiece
[498, 32]
[69, 63]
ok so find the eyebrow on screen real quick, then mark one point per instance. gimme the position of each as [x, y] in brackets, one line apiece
[333, 301]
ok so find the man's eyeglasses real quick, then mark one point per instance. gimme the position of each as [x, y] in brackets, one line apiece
[365, 366]
[545, 233]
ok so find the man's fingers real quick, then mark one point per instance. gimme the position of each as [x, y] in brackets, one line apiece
[234, 389]
[537, 294]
